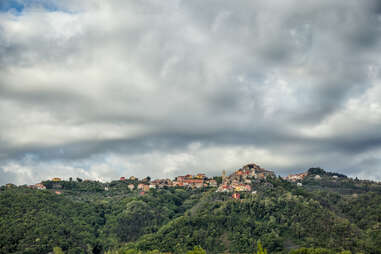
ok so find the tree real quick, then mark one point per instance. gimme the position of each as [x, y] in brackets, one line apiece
[316, 171]
[134, 220]
[260, 249]
[57, 250]
[197, 250]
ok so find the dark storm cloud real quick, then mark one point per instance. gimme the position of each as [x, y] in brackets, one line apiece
[99, 89]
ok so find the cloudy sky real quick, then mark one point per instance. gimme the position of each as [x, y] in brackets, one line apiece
[102, 89]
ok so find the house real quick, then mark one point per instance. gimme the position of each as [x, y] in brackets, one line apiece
[212, 183]
[58, 192]
[152, 186]
[199, 185]
[133, 178]
[122, 178]
[39, 186]
[247, 187]
[200, 176]
[299, 184]
[296, 177]
[155, 182]
[224, 188]
[256, 171]
[317, 177]
[236, 195]
[131, 187]
[180, 178]
[106, 188]
[264, 174]
[235, 181]
[193, 181]
[161, 183]
[239, 187]
[56, 179]
[260, 175]
[146, 187]
[178, 183]
[140, 186]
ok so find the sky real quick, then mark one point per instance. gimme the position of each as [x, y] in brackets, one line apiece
[102, 89]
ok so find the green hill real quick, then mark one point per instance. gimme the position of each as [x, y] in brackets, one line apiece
[336, 213]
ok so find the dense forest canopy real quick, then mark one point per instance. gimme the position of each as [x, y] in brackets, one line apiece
[329, 214]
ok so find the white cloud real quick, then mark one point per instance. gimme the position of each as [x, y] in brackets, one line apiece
[98, 89]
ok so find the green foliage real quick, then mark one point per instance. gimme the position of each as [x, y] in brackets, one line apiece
[325, 217]
[316, 171]
[134, 221]
[317, 251]
[260, 249]
[37, 221]
[218, 179]
[57, 250]
[196, 250]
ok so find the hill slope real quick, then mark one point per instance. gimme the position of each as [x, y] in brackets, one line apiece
[337, 213]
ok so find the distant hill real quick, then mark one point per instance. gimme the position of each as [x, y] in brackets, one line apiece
[331, 211]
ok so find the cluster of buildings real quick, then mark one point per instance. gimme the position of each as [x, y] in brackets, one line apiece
[197, 181]
[38, 186]
[296, 177]
[131, 178]
[242, 179]
[190, 181]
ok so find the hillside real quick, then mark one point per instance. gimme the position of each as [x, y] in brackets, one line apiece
[331, 211]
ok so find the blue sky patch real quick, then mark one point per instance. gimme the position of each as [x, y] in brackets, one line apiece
[19, 6]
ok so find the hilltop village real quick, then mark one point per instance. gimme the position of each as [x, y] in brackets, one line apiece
[161, 213]
[241, 180]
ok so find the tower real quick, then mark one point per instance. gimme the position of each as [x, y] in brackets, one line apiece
[223, 175]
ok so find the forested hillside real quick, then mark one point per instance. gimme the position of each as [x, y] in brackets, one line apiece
[334, 213]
